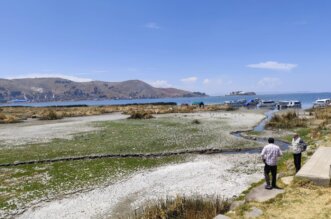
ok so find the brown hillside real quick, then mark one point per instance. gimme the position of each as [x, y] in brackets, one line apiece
[58, 89]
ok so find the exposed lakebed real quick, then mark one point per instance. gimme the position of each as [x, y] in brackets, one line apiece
[220, 174]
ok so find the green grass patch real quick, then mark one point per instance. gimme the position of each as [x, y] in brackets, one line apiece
[252, 132]
[24, 184]
[130, 136]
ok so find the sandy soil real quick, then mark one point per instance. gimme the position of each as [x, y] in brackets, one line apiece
[213, 175]
[36, 131]
[238, 120]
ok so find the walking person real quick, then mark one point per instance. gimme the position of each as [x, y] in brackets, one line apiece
[298, 146]
[270, 154]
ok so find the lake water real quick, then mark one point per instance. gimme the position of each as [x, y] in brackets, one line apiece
[306, 99]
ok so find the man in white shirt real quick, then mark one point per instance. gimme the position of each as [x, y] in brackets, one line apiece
[298, 146]
[270, 154]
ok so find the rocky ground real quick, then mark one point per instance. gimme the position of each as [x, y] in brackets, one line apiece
[205, 175]
[208, 175]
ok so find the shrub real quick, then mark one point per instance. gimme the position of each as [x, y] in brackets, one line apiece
[140, 115]
[8, 118]
[50, 115]
[195, 121]
[287, 120]
[323, 113]
[2, 116]
[186, 208]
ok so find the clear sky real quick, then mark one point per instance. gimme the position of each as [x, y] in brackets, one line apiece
[215, 46]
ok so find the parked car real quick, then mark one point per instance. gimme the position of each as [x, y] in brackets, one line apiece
[322, 103]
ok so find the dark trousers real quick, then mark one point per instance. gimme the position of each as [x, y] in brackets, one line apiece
[297, 161]
[273, 170]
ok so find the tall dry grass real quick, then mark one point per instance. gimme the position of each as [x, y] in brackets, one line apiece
[8, 118]
[322, 113]
[286, 120]
[21, 113]
[140, 115]
[50, 115]
[186, 208]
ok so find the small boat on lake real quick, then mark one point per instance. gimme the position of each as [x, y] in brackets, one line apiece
[322, 103]
[236, 103]
[288, 104]
[252, 103]
[269, 104]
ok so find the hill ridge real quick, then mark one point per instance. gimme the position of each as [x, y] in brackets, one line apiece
[60, 89]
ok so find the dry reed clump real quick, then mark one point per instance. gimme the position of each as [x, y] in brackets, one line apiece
[224, 107]
[287, 120]
[50, 115]
[321, 121]
[322, 113]
[74, 111]
[2, 116]
[140, 115]
[8, 118]
[185, 109]
[186, 208]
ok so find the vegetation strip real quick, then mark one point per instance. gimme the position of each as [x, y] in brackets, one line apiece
[100, 156]
[141, 155]
[254, 138]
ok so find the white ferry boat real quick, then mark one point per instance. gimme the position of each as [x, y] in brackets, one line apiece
[322, 103]
[270, 104]
[285, 104]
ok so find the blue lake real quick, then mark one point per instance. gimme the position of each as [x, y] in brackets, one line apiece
[306, 99]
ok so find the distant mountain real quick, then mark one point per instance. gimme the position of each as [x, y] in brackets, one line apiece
[58, 89]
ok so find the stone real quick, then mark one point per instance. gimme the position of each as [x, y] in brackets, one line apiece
[221, 216]
[236, 204]
[260, 194]
[287, 180]
[253, 213]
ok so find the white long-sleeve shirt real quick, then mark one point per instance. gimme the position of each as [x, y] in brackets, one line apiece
[270, 154]
[297, 145]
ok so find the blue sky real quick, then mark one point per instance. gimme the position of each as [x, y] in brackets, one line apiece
[268, 46]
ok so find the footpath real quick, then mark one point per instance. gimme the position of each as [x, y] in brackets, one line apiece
[317, 170]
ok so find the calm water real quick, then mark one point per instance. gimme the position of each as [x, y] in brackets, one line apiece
[306, 99]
